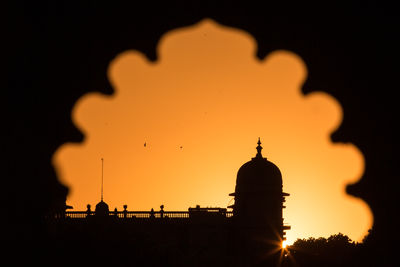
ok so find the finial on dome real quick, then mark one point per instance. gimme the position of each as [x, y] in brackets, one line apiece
[259, 148]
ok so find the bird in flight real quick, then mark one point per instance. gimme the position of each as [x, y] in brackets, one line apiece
[144, 144]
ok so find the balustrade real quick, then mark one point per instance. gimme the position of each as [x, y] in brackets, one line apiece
[139, 214]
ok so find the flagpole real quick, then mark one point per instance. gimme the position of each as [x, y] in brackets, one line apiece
[102, 178]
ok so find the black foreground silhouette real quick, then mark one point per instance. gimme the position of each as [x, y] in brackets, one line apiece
[58, 51]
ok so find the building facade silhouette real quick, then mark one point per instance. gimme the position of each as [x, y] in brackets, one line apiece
[249, 235]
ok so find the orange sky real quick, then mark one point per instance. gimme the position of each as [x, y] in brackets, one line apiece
[200, 109]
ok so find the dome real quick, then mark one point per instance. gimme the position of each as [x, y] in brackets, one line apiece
[257, 175]
[101, 209]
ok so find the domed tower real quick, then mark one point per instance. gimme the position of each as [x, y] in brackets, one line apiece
[101, 209]
[259, 199]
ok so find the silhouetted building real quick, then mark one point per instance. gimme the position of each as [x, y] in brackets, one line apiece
[249, 235]
[257, 211]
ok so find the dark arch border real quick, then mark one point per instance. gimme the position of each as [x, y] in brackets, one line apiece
[60, 51]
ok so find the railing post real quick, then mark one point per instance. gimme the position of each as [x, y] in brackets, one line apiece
[88, 211]
[161, 211]
[125, 211]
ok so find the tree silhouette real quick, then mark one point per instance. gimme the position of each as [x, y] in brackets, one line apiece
[335, 250]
